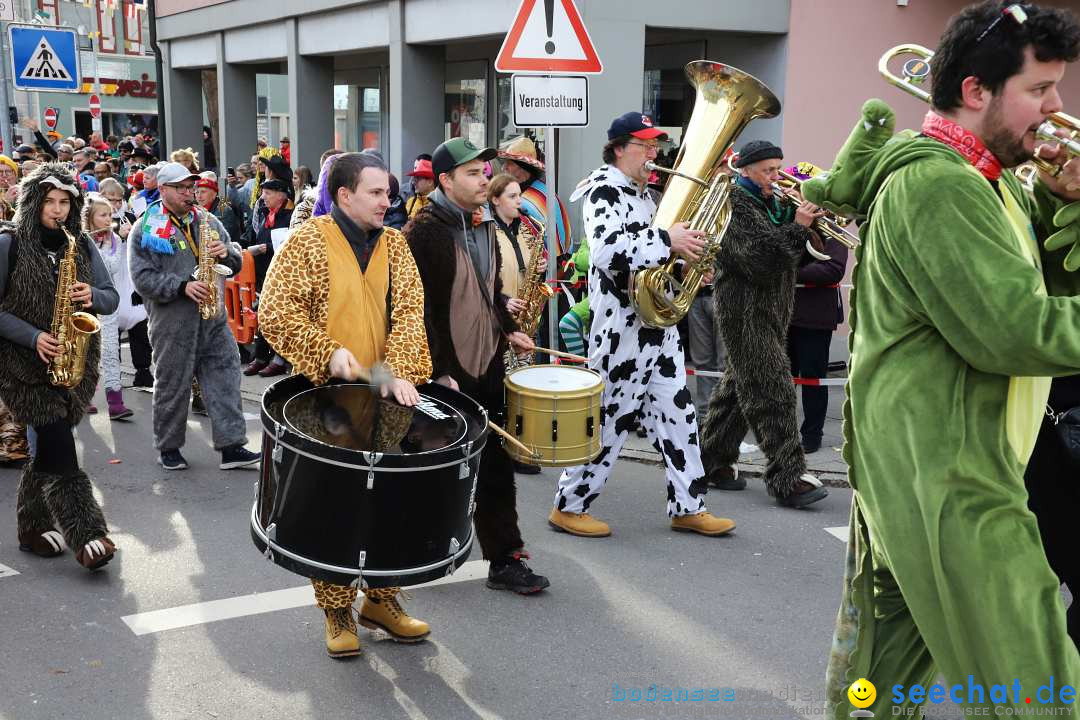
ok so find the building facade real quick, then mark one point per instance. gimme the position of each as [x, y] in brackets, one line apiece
[116, 62]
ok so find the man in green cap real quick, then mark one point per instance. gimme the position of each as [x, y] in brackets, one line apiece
[468, 329]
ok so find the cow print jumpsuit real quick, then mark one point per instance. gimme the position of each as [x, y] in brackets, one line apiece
[642, 367]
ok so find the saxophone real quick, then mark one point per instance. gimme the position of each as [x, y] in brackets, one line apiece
[71, 328]
[535, 292]
[208, 269]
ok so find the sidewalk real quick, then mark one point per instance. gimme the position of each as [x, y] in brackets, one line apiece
[826, 463]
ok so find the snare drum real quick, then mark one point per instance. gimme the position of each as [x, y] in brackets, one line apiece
[555, 410]
[358, 490]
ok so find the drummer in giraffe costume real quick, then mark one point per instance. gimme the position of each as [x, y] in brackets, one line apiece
[329, 296]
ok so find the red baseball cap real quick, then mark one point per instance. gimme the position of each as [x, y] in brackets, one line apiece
[636, 124]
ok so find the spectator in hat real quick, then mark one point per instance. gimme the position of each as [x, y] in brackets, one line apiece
[286, 150]
[423, 182]
[207, 196]
[520, 161]
[24, 152]
[273, 212]
[149, 194]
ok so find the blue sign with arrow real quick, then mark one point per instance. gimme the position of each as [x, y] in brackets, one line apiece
[44, 58]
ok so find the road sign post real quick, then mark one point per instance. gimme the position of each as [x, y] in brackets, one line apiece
[548, 37]
[43, 58]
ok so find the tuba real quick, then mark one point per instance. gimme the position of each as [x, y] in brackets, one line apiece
[72, 328]
[727, 100]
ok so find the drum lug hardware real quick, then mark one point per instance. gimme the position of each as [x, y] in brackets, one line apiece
[373, 459]
[256, 489]
[271, 536]
[554, 431]
[517, 425]
[589, 426]
[463, 471]
[359, 582]
[276, 453]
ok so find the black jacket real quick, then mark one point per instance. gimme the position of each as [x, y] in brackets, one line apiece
[432, 237]
[820, 308]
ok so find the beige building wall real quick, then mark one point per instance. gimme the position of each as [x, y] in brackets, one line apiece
[833, 52]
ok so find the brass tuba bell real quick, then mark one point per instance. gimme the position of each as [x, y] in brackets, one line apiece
[697, 193]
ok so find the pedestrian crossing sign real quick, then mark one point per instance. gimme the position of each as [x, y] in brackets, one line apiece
[44, 58]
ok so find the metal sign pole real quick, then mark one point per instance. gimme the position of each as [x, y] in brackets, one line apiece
[552, 238]
[5, 121]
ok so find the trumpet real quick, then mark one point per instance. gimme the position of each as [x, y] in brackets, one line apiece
[917, 69]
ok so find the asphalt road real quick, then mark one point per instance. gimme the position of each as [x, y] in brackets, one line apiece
[750, 615]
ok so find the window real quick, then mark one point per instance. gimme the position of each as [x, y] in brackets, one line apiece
[132, 30]
[466, 102]
[49, 11]
[106, 27]
[506, 130]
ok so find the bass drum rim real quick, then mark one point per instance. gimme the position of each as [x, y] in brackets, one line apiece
[355, 576]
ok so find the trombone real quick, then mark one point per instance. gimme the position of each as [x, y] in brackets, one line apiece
[830, 224]
[917, 69]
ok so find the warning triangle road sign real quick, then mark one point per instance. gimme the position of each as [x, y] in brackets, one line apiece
[548, 36]
[44, 65]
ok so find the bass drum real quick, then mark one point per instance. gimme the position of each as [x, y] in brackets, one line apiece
[358, 490]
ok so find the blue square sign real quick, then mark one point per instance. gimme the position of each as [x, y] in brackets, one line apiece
[44, 58]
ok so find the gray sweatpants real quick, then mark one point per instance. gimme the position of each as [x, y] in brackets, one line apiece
[204, 349]
[707, 351]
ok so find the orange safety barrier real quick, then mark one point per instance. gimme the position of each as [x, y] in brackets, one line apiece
[239, 296]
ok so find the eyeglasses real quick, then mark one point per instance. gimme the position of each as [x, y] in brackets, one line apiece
[182, 188]
[1016, 12]
[647, 146]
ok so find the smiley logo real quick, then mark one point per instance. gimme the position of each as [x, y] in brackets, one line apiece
[862, 693]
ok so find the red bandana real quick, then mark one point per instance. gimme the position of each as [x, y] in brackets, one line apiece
[964, 142]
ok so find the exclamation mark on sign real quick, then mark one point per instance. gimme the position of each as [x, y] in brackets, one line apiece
[549, 13]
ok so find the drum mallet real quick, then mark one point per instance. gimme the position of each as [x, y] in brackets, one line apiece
[511, 439]
[559, 353]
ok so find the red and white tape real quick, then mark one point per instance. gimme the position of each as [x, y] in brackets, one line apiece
[814, 382]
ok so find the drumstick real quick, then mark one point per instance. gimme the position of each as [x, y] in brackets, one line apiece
[511, 439]
[559, 353]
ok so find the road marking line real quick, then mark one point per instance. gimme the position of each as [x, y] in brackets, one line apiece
[181, 616]
[5, 571]
[840, 533]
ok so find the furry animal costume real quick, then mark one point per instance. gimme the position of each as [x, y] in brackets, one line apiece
[53, 491]
[754, 293]
[432, 235]
[642, 367]
[184, 344]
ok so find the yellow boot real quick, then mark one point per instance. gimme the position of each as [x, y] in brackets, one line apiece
[382, 611]
[341, 638]
[704, 523]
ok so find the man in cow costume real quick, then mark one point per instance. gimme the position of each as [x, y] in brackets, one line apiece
[642, 367]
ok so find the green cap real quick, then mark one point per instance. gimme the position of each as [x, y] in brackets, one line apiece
[457, 151]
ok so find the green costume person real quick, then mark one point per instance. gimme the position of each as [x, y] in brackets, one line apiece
[959, 318]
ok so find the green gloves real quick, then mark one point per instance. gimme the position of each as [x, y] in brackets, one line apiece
[1069, 234]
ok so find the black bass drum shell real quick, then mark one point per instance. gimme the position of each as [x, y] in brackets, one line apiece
[354, 489]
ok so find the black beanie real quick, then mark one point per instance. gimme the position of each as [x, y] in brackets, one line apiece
[757, 150]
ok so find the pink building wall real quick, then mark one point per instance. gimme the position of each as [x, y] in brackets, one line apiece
[833, 51]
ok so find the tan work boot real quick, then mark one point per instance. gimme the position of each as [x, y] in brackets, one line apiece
[580, 524]
[341, 638]
[704, 523]
[382, 611]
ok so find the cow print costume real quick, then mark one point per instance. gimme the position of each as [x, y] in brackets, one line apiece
[642, 367]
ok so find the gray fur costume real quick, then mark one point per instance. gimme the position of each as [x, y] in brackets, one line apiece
[184, 344]
[53, 492]
[754, 292]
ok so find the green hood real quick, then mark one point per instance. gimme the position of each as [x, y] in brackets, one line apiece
[872, 153]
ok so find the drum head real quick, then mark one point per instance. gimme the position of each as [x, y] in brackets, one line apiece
[355, 417]
[554, 377]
